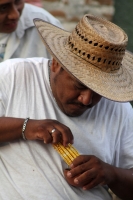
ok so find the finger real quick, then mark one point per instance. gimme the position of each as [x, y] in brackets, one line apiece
[66, 134]
[93, 182]
[90, 185]
[56, 136]
[69, 180]
[83, 159]
[43, 135]
[83, 178]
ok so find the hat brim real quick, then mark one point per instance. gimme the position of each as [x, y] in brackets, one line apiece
[116, 86]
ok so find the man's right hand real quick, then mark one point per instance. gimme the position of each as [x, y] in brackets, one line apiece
[11, 130]
[42, 130]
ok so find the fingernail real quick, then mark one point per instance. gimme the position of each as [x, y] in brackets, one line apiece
[76, 181]
[69, 174]
[71, 165]
[84, 188]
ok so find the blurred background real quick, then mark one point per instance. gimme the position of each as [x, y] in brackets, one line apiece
[70, 11]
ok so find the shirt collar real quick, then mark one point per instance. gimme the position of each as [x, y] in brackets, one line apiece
[25, 22]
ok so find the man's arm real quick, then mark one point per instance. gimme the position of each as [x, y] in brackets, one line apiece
[88, 172]
[11, 129]
[122, 185]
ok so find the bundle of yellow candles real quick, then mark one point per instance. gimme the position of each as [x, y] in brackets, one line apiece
[67, 153]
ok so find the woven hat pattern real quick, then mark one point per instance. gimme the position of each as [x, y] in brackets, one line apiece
[94, 53]
[86, 42]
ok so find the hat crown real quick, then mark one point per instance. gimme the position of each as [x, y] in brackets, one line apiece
[99, 42]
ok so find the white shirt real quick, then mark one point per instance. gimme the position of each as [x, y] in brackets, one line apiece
[33, 170]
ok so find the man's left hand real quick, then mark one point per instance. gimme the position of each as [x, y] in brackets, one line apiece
[88, 171]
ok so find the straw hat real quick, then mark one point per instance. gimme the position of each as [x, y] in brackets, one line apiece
[94, 53]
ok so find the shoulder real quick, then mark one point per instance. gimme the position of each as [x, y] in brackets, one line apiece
[13, 66]
[116, 109]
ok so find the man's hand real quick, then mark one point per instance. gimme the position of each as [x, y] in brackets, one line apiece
[88, 171]
[42, 130]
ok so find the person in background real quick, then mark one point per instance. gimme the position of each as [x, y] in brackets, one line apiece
[18, 35]
[76, 97]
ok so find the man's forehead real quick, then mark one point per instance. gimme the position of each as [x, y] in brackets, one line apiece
[74, 79]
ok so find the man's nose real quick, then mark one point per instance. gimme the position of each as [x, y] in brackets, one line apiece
[85, 97]
[13, 13]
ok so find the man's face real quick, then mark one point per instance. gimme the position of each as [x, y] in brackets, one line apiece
[72, 97]
[10, 12]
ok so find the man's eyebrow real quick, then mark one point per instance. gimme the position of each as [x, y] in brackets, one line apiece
[4, 4]
[81, 85]
[78, 83]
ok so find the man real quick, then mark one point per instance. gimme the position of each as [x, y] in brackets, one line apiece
[18, 35]
[66, 100]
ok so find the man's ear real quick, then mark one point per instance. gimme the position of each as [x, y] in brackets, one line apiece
[55, 66]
